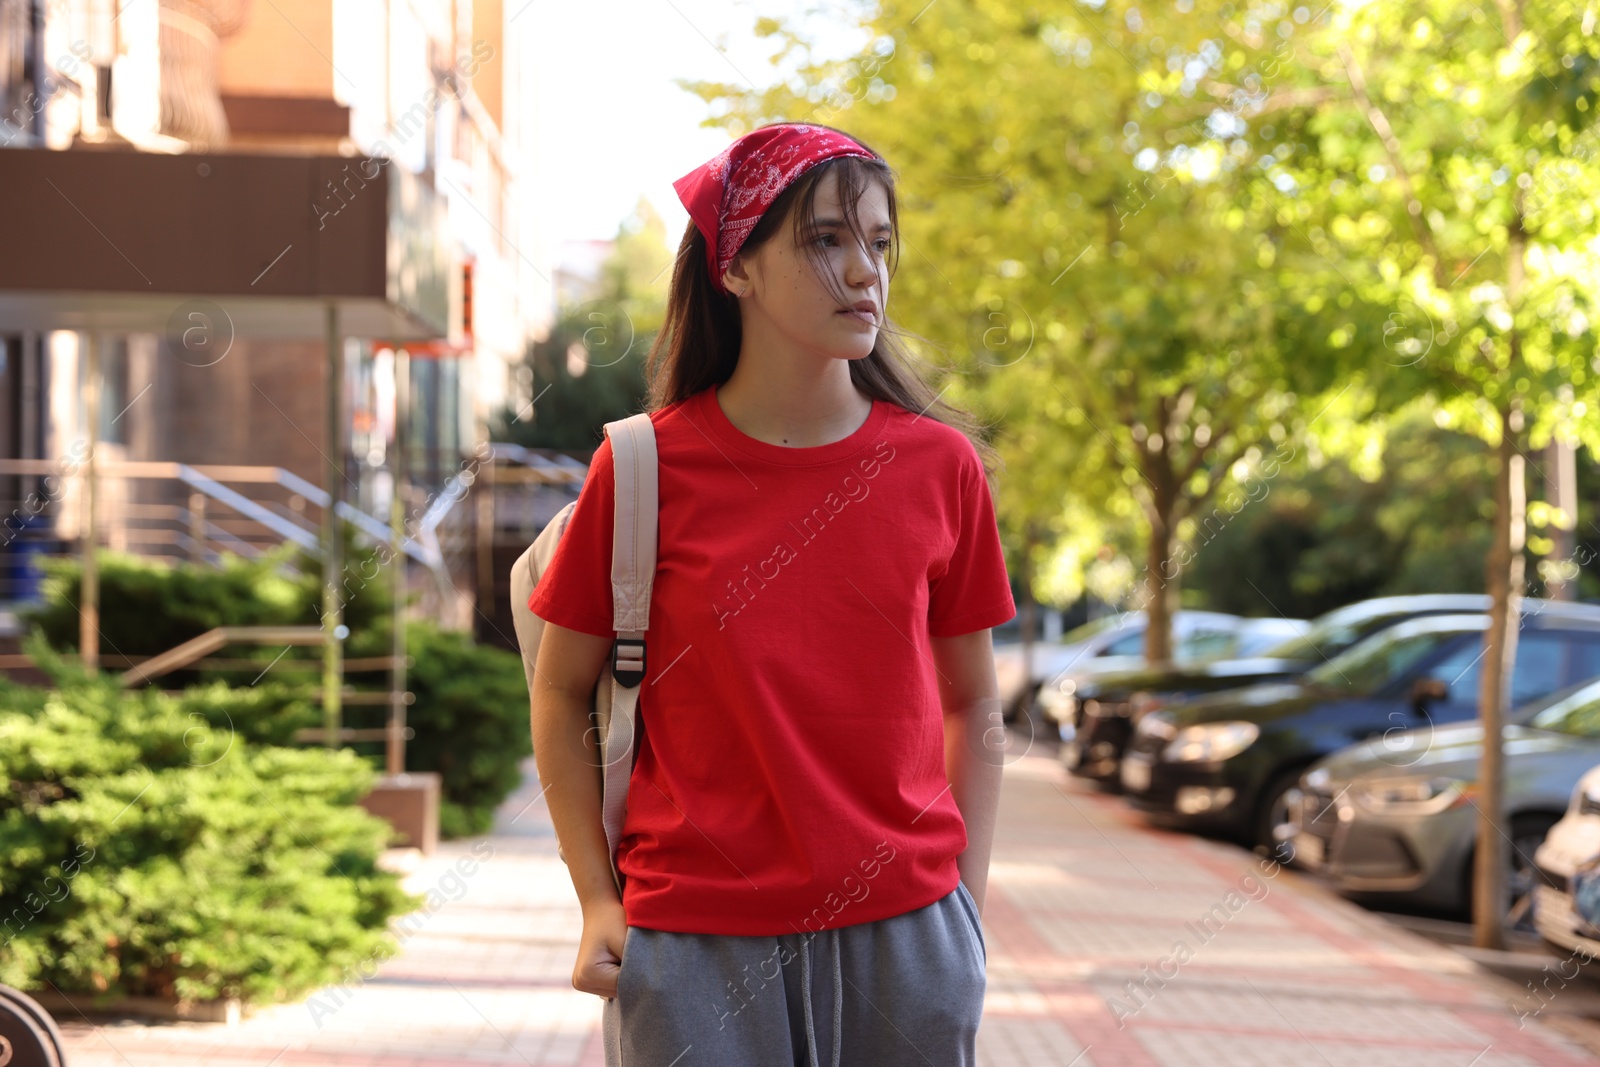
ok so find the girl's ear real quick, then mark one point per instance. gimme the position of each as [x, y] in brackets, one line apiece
[736, 279]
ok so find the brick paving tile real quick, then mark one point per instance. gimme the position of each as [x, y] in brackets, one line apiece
[1111, 944]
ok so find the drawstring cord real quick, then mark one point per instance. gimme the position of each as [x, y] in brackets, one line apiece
[838, 997]
[805, 994]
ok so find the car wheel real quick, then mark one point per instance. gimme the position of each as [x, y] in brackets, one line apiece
[1023, 704]
[1277, 816]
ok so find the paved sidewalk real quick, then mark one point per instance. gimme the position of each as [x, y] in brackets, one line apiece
[1110, 944]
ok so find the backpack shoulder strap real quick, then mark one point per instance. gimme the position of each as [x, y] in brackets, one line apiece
[633, 569]
[633, 555]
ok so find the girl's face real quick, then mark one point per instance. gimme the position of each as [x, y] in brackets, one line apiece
[827, 298]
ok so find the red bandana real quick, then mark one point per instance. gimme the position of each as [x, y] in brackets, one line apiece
[727, 196]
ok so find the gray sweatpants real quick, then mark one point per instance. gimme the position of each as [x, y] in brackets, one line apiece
[903, 990]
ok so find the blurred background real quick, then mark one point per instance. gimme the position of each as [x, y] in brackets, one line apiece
[1281, 319]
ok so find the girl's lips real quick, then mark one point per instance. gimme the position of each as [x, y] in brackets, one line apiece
[861, 316]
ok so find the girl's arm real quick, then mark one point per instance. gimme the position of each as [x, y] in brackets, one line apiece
[569, 663]
[974, 745]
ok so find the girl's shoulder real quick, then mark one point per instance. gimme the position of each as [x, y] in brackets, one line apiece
[674, 412]
[936, 441]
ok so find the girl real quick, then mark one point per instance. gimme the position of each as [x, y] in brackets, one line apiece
[812, 804]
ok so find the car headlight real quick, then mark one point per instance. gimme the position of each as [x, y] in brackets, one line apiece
[1211, 741]
[1157, 724]
[1588, 802]
[1105, 709]
[1414, 794]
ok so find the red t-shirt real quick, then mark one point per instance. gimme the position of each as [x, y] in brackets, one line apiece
[790, 772]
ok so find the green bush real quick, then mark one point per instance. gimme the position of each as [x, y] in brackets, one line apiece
[148, 606]
[470, 719]
[144, 853]
[470, 716]
[1314, 539]
[265, 714]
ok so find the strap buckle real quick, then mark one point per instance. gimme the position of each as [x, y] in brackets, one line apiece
[627, 667]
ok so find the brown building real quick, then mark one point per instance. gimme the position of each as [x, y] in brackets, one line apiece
[195, 184]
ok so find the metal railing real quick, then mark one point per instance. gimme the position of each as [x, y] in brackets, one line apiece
[197, 649]
[464, 535]
[176, 511]
[183, 511]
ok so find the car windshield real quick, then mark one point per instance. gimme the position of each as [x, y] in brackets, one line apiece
[1327, 637]
[1577, 714]
[1265, 643]
[1373, 662]
[1089, 629]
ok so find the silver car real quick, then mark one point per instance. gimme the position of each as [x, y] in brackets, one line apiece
[1394, 820]
[1114, 642]
[1197, 637]
[1566, 908]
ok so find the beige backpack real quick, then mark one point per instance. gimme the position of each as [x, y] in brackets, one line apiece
[633, 566]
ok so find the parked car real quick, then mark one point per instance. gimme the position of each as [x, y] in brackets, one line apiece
[1223, 643]
[1247, 639]
[1058, 699]
[1395, 820]
[1115, 642]
[1225, 762]
[1566, 899]
[1095, 717]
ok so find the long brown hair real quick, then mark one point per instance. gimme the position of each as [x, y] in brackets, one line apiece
[698, 345]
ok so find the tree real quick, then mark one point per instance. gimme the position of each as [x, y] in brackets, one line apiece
[1413, 518]
[589, 370]
[1450, 169]
[1081, 219]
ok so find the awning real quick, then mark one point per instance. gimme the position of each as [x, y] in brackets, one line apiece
[127, 241]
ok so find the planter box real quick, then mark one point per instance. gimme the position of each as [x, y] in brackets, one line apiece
[63, 1005]
[409, 803]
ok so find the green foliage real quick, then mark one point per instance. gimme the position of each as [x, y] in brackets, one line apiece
[570, 409]
[471, 723]
[24, 698]
[1085, 233]
[1320, 537]
[1587, 535]
[470, 715]
[1157, 238]
[146, 854]
[1451, 171]
[148, 606]
[265, 714]
[589, 370]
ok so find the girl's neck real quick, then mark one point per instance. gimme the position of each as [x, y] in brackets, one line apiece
[793, 403]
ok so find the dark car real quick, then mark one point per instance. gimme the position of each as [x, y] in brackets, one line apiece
[1225, 762]
[1097, 717]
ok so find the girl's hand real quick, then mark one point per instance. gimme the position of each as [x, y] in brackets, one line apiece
[605, 928]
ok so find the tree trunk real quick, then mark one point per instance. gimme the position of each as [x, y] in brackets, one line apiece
[1161, 584]
[1504, 581]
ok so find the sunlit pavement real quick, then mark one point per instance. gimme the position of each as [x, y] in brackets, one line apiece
[1230, 962]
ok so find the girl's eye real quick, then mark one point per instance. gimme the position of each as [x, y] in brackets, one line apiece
[881, 245]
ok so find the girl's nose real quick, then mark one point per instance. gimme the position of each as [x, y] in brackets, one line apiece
[860, 270]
